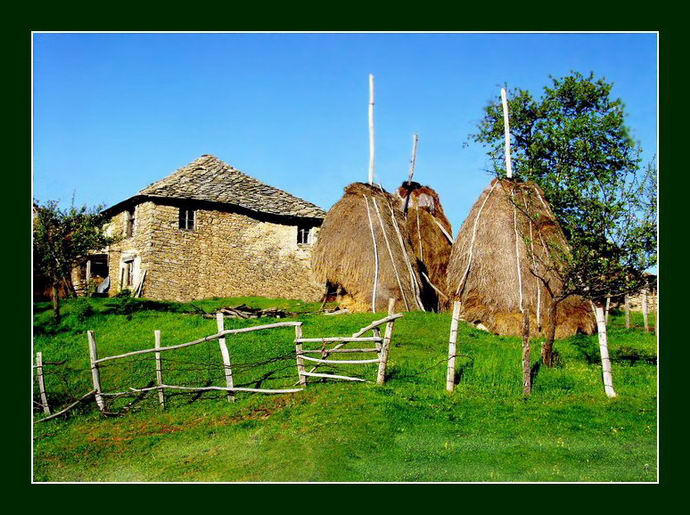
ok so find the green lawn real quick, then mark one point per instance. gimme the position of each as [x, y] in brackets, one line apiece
[408, 430]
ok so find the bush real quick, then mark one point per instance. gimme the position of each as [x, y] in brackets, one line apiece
[81, 309]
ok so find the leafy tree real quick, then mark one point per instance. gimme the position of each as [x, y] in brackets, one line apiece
[573, 142]
[62, 239]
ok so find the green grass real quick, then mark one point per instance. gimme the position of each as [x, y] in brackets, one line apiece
[408, 430]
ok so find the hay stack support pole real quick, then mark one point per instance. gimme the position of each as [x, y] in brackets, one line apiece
[526, 356]
[386, 344]
[372, 150]
[95, 372]
[42, 383]
[506, 131]
[452, 347]
[413, 161]
[376, 257]
[159, 369]
[225, 353]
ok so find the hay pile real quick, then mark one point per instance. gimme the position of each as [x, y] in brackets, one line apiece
[430, 233]
[490, 263]
[345, 255]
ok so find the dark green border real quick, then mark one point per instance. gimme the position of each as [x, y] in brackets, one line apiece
[287, 16]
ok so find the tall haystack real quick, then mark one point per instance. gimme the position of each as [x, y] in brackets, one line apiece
[490, 263]
[363, 255]
[430, 233]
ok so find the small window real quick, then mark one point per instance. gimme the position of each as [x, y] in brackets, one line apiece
[187, 219]
[129, 223]
[304, 235]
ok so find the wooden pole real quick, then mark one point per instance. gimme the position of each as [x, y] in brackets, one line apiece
[526, 356]
[452, 347]
[41, 383]
[608, 308]
[300, 362]
[376, 258]
[95, 373]
[385, 345]
[413, 161]
[88, 277]
[626, 300]
[159, 369]
[227, 365]
[372, 152]
[604, 350]
[506, 130]
[645, 308]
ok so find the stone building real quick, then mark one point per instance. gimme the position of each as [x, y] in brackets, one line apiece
[210, 230]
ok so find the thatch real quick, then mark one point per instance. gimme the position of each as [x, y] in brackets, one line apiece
[490, 263]
[430, 233]
[344, 257]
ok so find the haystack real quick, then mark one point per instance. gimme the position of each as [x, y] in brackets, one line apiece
[490, 263]
[430, 234]
[363, 255]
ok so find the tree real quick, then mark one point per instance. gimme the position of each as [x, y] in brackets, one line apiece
[62, 239]
[573, 142]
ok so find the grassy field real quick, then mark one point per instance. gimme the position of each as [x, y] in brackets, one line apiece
[408, 430]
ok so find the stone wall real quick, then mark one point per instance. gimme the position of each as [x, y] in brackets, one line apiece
[228, 254]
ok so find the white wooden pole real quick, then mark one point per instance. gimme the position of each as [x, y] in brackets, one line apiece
[41, 383]
[413, 161]
[300, 362]
[225, 353]
[372, 152]
[604, 350]
[385, 345]
[626, 300]
[88, 277]
[608, 308]
[452, 346]
[506, 130]
[159, 369]
[95, 373]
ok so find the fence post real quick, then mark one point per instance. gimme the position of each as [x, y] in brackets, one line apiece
[159, 369]
[41, 383]
[227, 366]
[645, 308]
[298, 351]
[385, 345]
[608, 307]
[627, 311]
[452, 347]
[95, 373]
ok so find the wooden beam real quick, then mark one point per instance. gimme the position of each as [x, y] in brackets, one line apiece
[225, 353]
[159, 369]
[452, 346]
[95, 373]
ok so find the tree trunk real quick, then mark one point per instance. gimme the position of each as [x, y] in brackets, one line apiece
[547, 347]
[526, 357]
[56, 301]
[604, 349]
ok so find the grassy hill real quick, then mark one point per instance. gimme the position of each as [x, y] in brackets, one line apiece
[408, 430]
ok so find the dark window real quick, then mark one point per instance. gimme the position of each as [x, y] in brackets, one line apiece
[187, 219]
[303, 234]
[129, 225]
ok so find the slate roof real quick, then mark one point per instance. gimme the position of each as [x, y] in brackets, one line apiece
[210, 179]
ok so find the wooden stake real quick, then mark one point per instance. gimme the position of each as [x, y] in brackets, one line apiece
[526, 356]
[604, 350]
[159, 369]
[608, 308]
[227, 365]
[41, 383]
[452, 347]
[645, 308]
[88, 277]
[385, 345]
[300, 361]
[506, 130]
[626, 300]
[95, 373]
[413, 161]
[376, 258]
[372, 152]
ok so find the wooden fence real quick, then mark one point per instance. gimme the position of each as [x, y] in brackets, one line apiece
[381, 348]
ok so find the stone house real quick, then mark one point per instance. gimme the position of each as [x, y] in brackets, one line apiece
[209, 230]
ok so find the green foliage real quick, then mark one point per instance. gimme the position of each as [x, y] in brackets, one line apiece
[574, 143]
[408, 430]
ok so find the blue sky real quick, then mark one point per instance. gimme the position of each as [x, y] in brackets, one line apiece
[116, 112]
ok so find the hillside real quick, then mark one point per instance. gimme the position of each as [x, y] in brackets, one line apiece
[408, 430]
